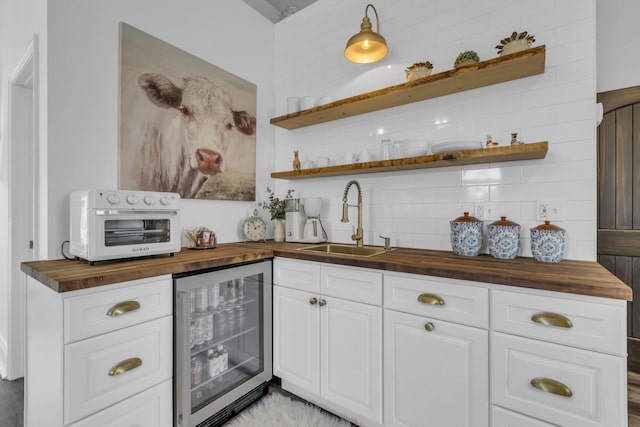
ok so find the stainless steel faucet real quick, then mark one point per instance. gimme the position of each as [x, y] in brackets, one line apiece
[359, 234]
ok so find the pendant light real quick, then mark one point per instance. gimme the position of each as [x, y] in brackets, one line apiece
[367, 46]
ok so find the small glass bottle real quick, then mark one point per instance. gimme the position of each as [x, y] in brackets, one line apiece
[196, 370]
[214, 296]
[212, 362]
[202, 299]
[208, 327]
[224, 358]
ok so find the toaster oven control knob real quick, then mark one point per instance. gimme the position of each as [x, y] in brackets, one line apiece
[113, 199]
[132, 199]
[164, 200]
[148, 200]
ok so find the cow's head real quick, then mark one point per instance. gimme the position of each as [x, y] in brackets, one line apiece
[206, 115]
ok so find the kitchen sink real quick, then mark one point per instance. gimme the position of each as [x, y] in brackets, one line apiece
[350, 250]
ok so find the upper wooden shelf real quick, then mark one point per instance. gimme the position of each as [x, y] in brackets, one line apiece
[507, 153]
[497, 70]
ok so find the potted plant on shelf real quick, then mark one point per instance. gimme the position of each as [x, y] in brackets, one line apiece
[466, 59]
[418, 70]
[276, 206]
[515, 43]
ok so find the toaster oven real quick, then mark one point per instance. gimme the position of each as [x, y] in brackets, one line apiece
[114, 224]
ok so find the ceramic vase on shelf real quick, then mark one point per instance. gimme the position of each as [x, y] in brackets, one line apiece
[278, 230]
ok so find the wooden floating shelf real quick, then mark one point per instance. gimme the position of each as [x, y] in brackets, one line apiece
[508, 153]
[497, 70]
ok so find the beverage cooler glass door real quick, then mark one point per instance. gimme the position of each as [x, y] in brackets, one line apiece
[222, 338]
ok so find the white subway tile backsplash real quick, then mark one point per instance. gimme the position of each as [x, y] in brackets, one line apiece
[415, 207]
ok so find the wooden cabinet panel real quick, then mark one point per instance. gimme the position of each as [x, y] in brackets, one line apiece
[435, 378]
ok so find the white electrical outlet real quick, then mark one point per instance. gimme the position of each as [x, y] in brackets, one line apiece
[484, 210]
[550, 210]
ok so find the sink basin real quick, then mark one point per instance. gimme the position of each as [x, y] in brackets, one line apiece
[351, 250]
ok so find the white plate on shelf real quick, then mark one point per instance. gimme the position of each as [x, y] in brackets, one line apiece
[443, 147]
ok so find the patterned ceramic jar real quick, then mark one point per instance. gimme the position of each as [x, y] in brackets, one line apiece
[547, 242]
[504, 236]
[466, 235]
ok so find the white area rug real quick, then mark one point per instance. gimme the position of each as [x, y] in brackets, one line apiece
[276, 410]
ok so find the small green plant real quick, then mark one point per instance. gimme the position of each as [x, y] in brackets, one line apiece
[465, 56]
[275, 205]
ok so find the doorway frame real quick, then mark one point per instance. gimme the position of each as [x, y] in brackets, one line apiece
[23, 196]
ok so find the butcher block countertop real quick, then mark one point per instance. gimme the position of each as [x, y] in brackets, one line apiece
[576, 277]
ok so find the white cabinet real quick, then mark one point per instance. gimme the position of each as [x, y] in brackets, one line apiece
[559, 359]
[435, 371]
[327, 344]
[101, 355]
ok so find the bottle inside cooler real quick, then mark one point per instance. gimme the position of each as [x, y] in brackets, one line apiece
[224, 337]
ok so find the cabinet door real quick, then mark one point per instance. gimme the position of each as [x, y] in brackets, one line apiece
[151, 408]
[296, 343]
[351, 361]
[436, 378]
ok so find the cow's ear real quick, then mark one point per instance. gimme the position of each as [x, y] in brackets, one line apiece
[160, 90]
[245, 122]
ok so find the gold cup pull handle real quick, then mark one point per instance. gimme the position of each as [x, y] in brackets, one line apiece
[313, 301]
[431, 299]
[124, 366]
[551, 386]
[552, 319]
[123, 308]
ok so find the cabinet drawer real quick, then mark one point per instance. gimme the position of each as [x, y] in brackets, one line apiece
[88, 385]
[593, 325]
[302, 275]
[353, 284]
[595, 382]
[151, 408]
[105, 311]
[502, 418]
[444, 300]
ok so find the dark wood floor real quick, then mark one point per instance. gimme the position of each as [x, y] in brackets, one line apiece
[633, 380]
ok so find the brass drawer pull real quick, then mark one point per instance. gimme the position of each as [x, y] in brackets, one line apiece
[313, 301]
[429, 326]
[551, 386]
[552, 319]
[323, 302]
[124, 366]
[431, 299]
[123, 307]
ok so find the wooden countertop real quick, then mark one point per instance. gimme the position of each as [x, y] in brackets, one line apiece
[576, 277]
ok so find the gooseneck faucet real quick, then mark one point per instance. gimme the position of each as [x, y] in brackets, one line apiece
[358, 236]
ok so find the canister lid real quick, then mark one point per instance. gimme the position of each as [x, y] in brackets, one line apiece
[466, 218]
[504, 222]
[547, 226]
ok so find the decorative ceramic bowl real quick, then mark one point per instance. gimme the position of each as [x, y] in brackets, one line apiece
[547, 242]
[466, 235]
[515, 46]
[504, 237]
[418, 73]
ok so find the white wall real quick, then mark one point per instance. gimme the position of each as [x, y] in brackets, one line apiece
[78, 43]
[618, 34]
[19, 21]
[83, 92]
[415, 207]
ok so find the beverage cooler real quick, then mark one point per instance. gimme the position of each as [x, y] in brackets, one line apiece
[222, 342]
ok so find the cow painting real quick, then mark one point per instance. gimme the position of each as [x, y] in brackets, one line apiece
[181, 132]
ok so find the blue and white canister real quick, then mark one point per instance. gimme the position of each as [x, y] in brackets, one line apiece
[466, 235]
[504, 238]
[547, 242]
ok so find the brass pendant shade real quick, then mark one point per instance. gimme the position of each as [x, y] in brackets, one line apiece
[367, 46]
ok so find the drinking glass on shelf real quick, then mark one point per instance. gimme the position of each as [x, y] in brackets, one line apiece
[397, 150]
[386, 149]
